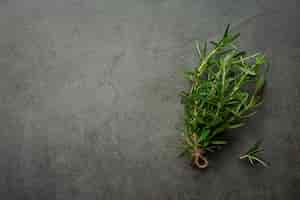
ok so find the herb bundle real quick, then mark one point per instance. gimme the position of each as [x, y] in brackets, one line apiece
[226, 87]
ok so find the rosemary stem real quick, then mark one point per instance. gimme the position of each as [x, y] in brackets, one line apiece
[203, 64]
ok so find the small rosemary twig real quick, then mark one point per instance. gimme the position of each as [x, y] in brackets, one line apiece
[252, 155]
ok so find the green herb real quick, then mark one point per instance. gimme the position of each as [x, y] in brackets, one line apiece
[252, 154]
[225, 89]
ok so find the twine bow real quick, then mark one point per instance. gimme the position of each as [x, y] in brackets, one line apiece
[199, 160]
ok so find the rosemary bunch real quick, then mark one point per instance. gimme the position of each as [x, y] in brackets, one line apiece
[225, 89]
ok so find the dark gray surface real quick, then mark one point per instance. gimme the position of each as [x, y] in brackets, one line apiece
[90, 109]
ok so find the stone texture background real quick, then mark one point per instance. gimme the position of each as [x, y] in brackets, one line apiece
[89, 105]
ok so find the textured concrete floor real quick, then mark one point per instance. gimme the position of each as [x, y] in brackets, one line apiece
[89, 104]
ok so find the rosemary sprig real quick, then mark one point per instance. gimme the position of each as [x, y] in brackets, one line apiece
[220, 96]
[252, 155]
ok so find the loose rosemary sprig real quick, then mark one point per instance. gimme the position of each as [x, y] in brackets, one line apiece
[252, 155]
[225, 89]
